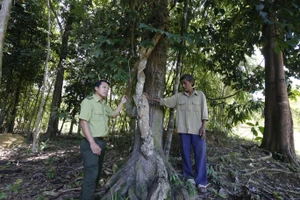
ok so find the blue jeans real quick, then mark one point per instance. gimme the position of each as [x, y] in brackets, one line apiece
[92, 164]
[187, 141]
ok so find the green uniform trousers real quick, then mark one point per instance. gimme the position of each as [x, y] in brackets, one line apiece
[92, 168]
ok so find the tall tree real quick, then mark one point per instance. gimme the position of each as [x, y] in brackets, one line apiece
[52, 129]
[278, 132]
[234, 29]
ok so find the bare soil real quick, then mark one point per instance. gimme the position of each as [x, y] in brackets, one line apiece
[237, 169]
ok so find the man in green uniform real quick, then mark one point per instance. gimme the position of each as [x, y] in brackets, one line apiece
[93, 118]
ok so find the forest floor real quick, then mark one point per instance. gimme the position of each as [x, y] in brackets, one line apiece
[237, 169]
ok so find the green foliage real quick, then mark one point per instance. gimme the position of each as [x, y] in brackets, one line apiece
[279, 155]
[174, 179]
[44, 145]
[277, 195]
[6, 165]
[117, 196]
[50, 169]
[212, 174]
[239, 113]
[51, 173]
[3, 195]
[256, 130]
[191, 188]
[293, 93]
[40, 197]
[15, 187]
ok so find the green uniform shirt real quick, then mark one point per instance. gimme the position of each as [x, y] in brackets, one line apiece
[96, 113]
[190, 110]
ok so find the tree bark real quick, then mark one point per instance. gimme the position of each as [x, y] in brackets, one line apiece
[4, 17]
[155, 86]
[278, 135]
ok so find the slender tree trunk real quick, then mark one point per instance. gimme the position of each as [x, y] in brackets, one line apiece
[4, 17]
[14, 109]
[26, 108]
[56, 100]
[62, 126]
[33, 109]
[179, 65]
[36, 135]
[73, 121]
[278, 135]
[3, 109]
[71, 126]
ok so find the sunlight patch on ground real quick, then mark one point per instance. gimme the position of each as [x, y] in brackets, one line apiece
[297, 143]
[244, 131]
[8, 140]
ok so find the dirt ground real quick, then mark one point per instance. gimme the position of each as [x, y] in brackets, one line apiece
[237, 169]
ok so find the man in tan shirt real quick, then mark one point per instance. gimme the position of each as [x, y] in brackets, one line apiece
[191, 117]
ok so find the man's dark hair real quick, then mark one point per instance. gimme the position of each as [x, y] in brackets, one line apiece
[98, 83]
[188, 78]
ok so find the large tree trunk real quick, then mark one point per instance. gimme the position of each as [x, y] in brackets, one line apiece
[155, 86]
[4, 17]
[56, 99]
[278, 134]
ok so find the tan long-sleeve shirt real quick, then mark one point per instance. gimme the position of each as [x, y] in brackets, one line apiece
[190, 110]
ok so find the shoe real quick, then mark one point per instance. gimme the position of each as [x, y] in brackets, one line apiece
[202, 188]
[191, 181]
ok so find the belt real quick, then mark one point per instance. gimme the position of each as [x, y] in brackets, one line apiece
[99, 138]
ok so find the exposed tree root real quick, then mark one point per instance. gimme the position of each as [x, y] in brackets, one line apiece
[142, 178]
[255, 171]
[63, 194]
[257, 159]
[270, 170]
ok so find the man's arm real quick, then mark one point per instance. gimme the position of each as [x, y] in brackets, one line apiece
[87, 133]
[202, 131]
[170, 102]
[118, 109]
[150, 98]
